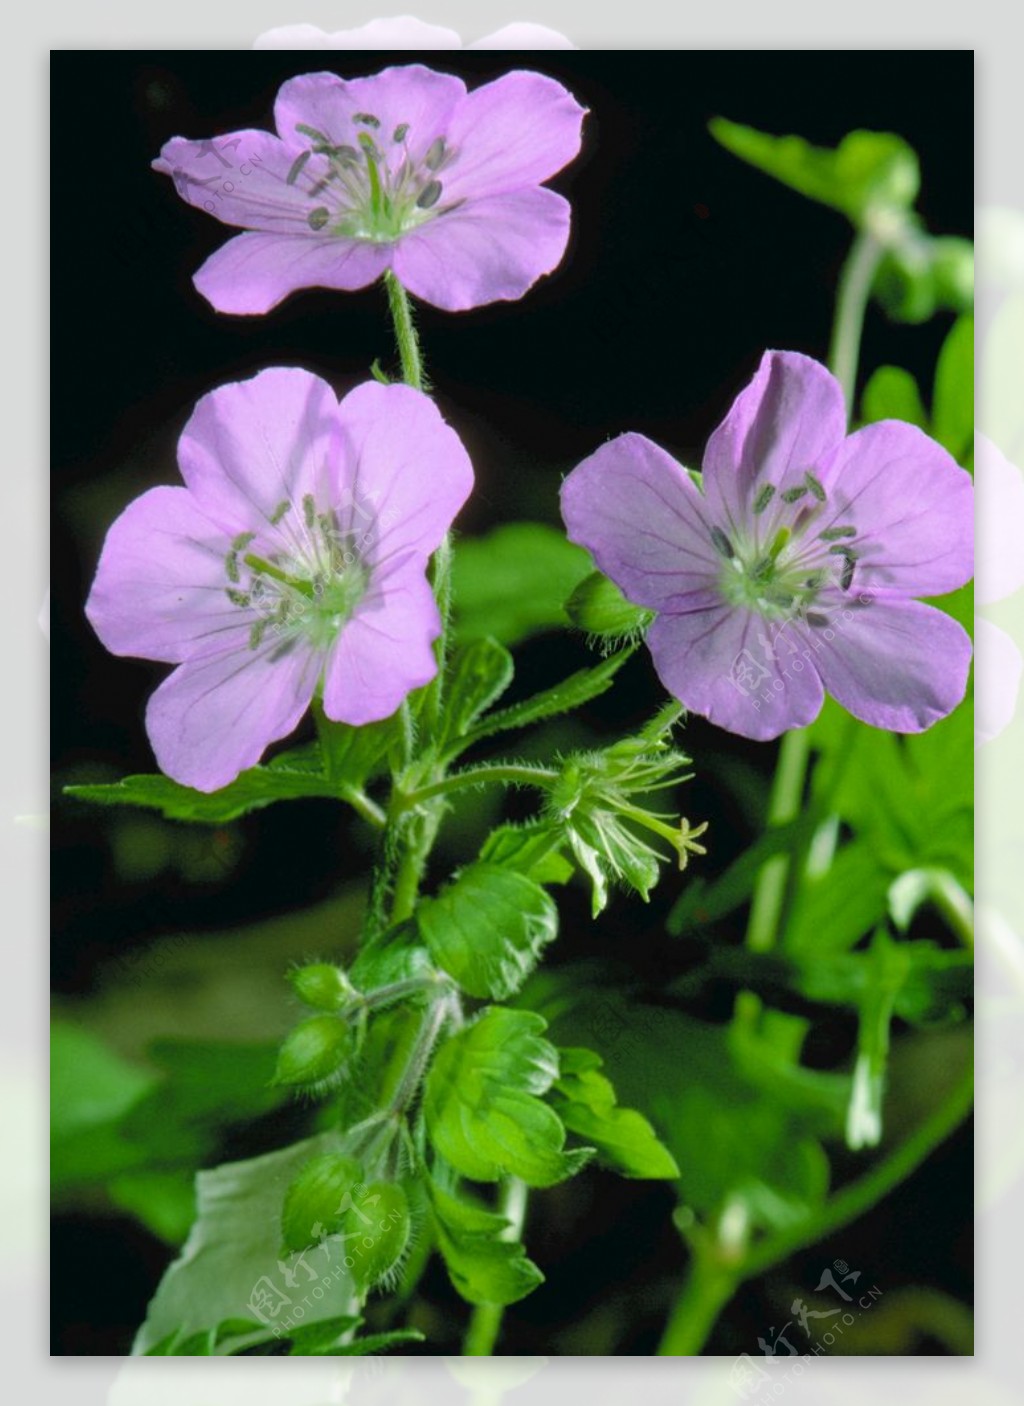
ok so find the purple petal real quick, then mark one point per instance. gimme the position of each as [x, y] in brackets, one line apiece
[913, 504]
[485, 251]
[159, 587]
[515, 132]
[404, 32]
[385, 651]
[997, 675]
[254, 272]
[252, 445]
[215, 716]
[403, 469]
[787, 420]
[893, 663]
[1000, 511]
[409, 96]
[242, 179]
[736, 670]
[524, 36]
[643, 521]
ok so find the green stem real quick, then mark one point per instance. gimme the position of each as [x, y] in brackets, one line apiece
[405, 332]
[783, 805]
[364, 806]
[485, 1323]
[855, 282]
[712, 1284]
[505, 774]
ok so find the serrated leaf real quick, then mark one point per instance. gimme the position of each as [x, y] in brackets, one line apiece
[579, 688]
[351, 755]
[321, 1339]
[512, 583]
[587, 1105]
[892, 394]
[480, 673]
[481, 1102]
[533, 849]
[259, 786]
[484, 1265]
[868, 170]
[488, 928]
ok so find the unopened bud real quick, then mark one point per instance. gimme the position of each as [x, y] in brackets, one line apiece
[316, 1203]
[322, 985]
[599, 607]
[314, 1050]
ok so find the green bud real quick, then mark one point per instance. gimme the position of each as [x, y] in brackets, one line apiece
[322, 985]
[599, 607]
[377, 1226]
[953, 268]
[318, 1200]
[314, 1050]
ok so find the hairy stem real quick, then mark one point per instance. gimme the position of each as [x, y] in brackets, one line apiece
[505, 774]
[485, 1323]
[405, 332]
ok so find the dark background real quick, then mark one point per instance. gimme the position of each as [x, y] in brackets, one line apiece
[683, 266]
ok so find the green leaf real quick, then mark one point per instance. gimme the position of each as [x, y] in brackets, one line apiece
[231, 1266]
[892, 394]
[259, 786]
[351, 755]
[485, 1266]
[164, 1201]
[833, 911]
[533, 849]
[488, 929]
[919, 275]
[90, 1084]
[512, 583]
[480, 673]
[953, 396]
[579, 688]
[867, 171]
[321, 1339]
[587, 1105]
[481, 1102]
[363, 1347]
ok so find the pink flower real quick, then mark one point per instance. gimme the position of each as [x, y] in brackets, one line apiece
[792, 570]
[403, 171]
[291, 565]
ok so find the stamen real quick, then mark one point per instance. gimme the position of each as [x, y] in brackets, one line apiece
[316, 135]
[842, 552]
[238, 597]
[815, 486]
[242, 541]
[832, 534]
[400, 132]
[309, 509]
[764, 498]
[367, 119]
[279, 512]
[318, 218]
[296, 167]
[846, 580]
[231, 566]
[780, 540]
[792, 494]
[257, 632]
[429, 195]
[722, 543]
[435, 154]
[818, 621]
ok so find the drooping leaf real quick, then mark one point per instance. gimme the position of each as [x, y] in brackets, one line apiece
[488, 928]
[866, 171]
[482, 1105]
[485, 1266]
[514, 582]
[533, 849]
[587, 1104]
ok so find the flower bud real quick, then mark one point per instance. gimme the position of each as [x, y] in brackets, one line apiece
[314, 1050]
[599, 607]
[318, 1200]
[322, 985]
[953, 267]
[377, 1227]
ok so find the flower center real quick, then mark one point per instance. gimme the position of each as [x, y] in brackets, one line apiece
[373, 187]
[780, 563]
[305, 581]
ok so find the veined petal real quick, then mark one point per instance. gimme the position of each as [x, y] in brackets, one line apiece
[486, 250]
[242, 179]
[385, 650]
[737, 670]
[410, 96]
[402, 472]
[515, 132]
[252, 273]
[159, 587]
[643, 521]
[894, 663]
[789, 419]
[215, 716]
[913, 504]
